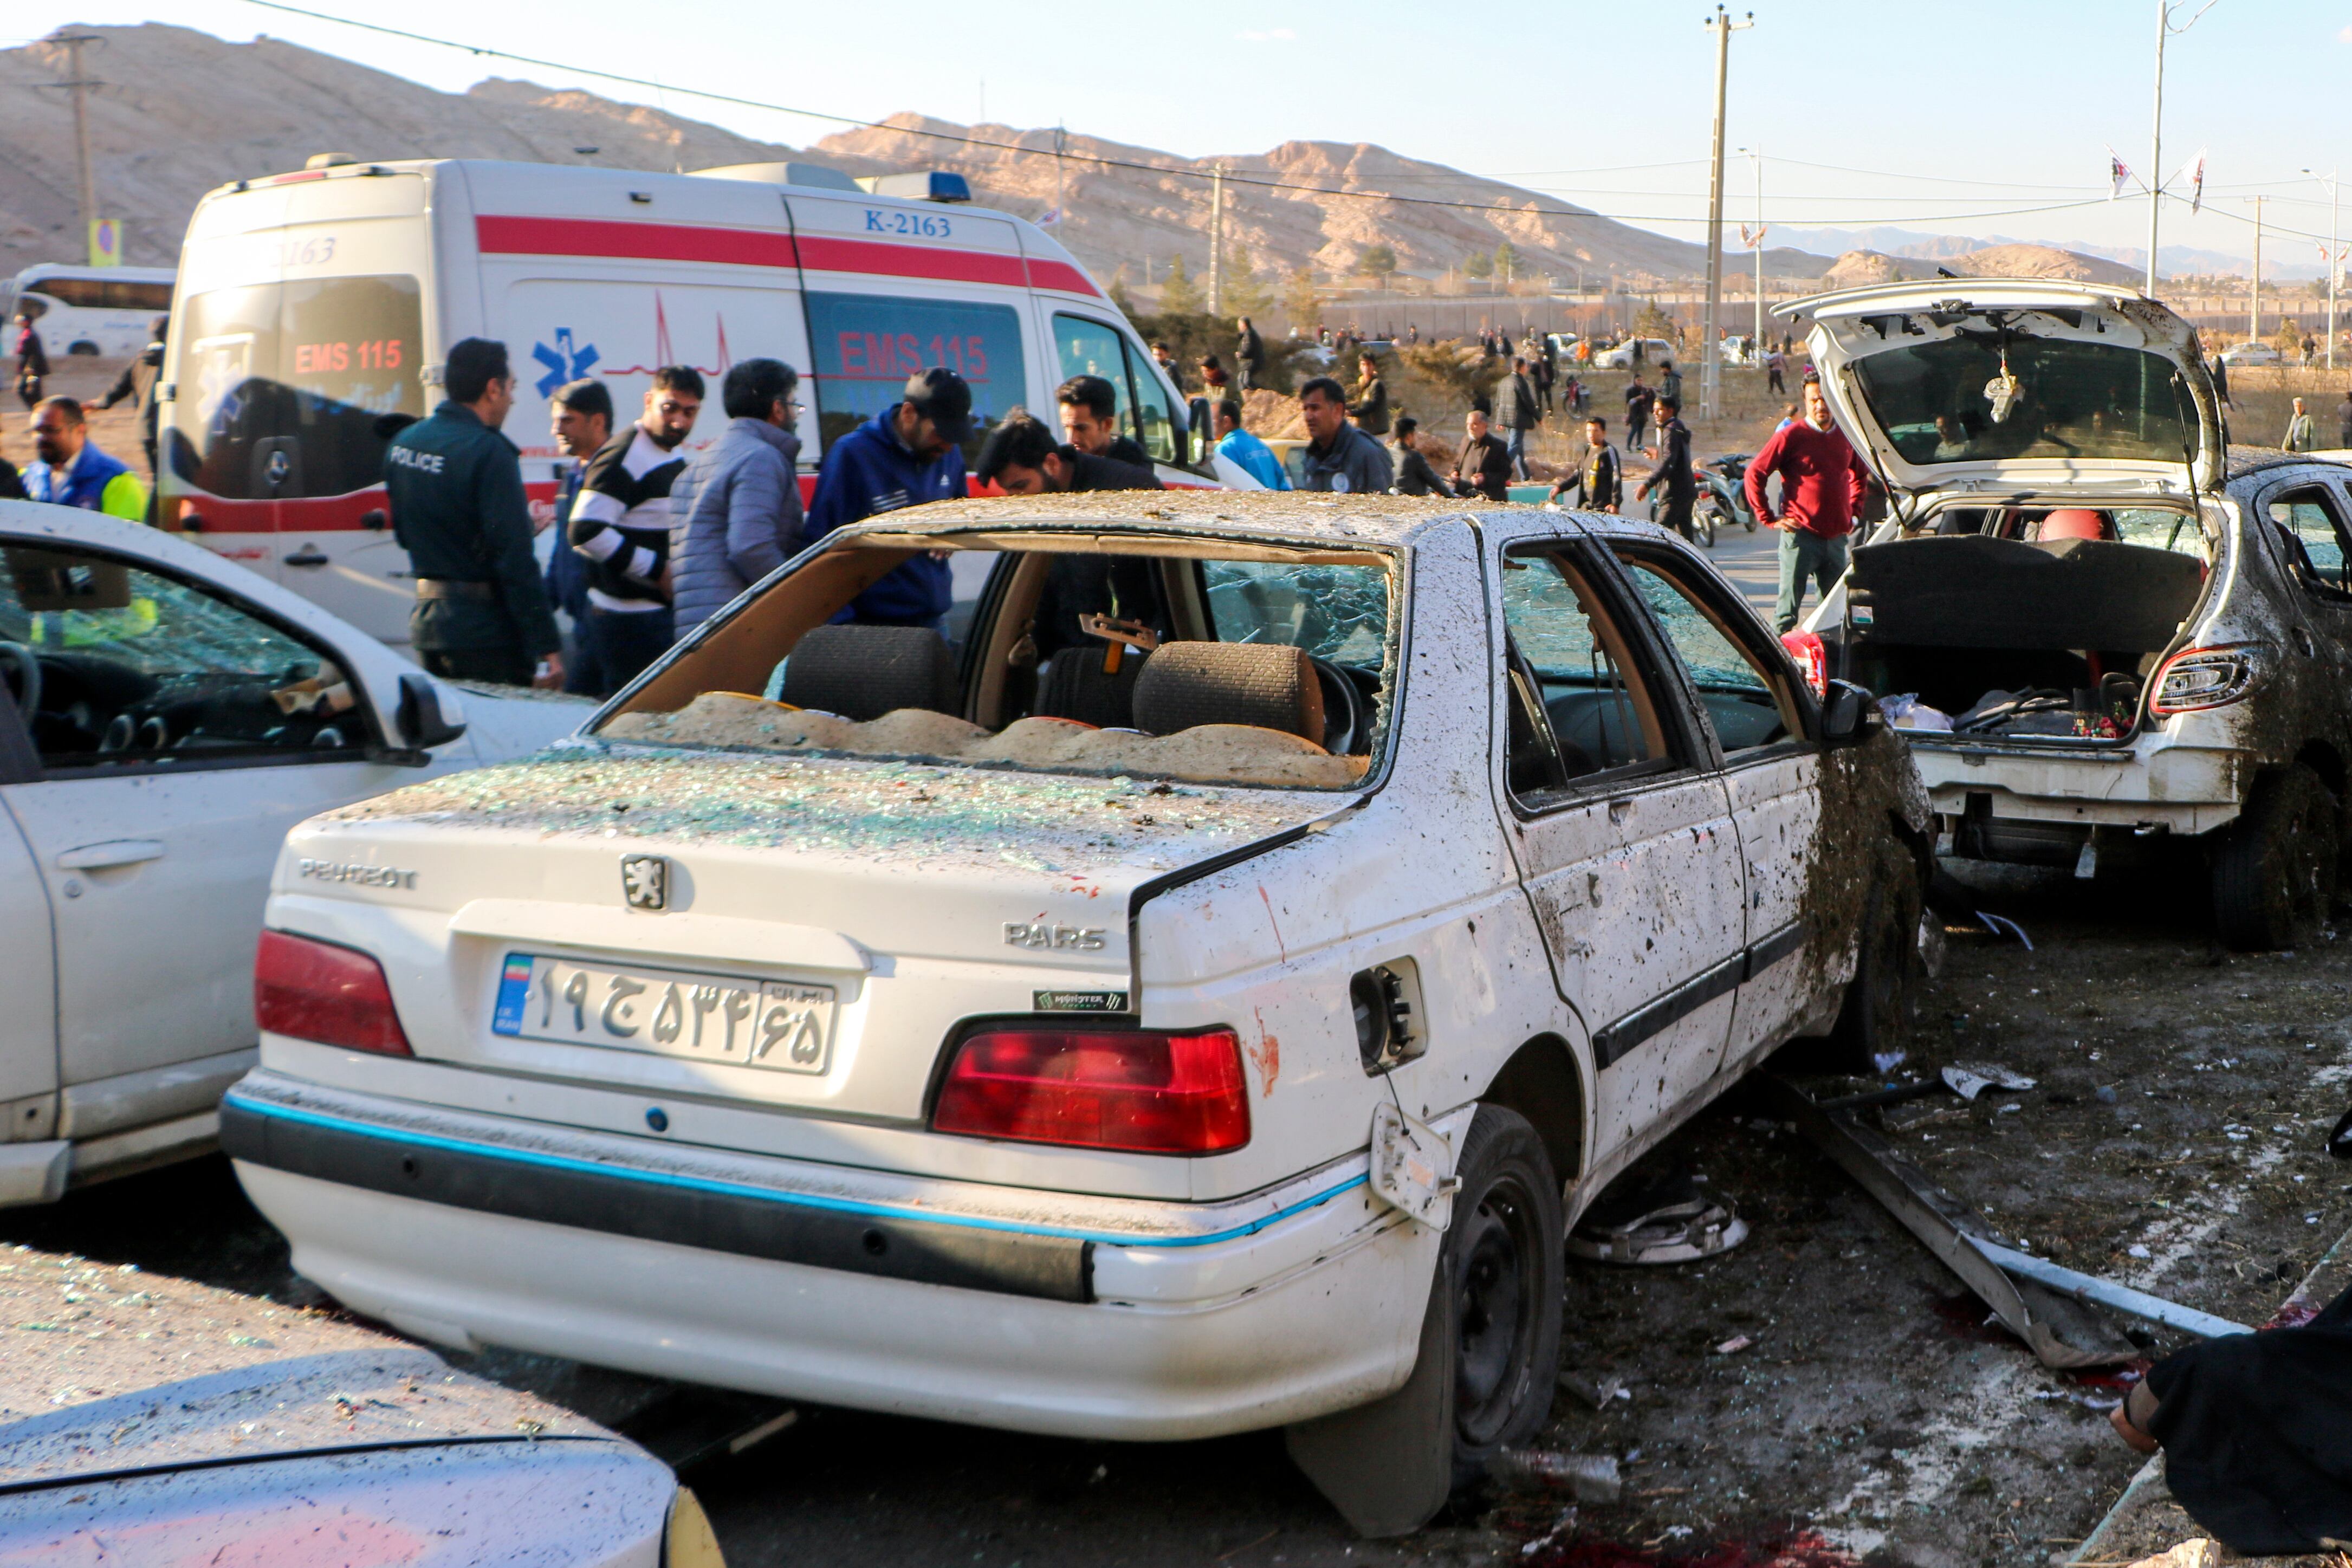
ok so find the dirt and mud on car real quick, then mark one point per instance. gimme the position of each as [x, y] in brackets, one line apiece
[2107, 635]
[1196, 996]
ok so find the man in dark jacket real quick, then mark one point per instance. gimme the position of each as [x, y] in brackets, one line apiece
[1370, 409]
[138, 383]
[1089, 407]
[1638, 401]
[1339, 458]
[621, 524]
[1414, 477]
[1597, 481]
[1485, 464]
[580, 419]
[735, 513]
[1516, 413]
[455, 487]
[1673, 474]
[1021, 456]
[1250, 354]
[910, 453]
[1670, 383]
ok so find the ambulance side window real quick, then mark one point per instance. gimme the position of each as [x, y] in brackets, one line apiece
[864, 346]
[1090, 348]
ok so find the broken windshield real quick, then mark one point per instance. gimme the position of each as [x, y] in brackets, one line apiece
[1974, 398]
[1186, 657]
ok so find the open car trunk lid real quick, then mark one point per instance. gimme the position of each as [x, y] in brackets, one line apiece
[879, 903]
[2018, 384]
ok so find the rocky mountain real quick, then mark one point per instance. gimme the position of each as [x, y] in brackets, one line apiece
[1857, 267]
[182, 111]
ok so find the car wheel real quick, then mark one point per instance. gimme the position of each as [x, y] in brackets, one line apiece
[1503, 1258]
[1490, 1351]
[1873, 1026]
[2274, 869]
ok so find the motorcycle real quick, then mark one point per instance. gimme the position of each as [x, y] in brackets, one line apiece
[1722, 499]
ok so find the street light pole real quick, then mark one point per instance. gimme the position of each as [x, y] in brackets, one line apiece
[1757, 154]
[1710, 385]
[2334, 211]
[2156, 143]
[2254, 308]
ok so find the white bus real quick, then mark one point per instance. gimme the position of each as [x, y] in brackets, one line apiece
[311, 302]
[90, 310]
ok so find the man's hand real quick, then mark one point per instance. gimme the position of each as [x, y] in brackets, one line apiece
[553, 680]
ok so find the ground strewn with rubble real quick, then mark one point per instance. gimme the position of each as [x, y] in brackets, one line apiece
[1874, 1417]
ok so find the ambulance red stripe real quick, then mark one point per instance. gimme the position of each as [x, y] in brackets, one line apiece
[509, 236]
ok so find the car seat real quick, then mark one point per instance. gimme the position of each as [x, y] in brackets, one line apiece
[1269, 685]
[862, 672]
[1076, 686]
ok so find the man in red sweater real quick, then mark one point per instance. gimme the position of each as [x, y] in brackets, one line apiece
[1822, 485]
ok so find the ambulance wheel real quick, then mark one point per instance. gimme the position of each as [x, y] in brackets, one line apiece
[2274, 869]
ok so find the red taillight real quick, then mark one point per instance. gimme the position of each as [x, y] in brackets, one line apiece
[1812, 658]
[1099, 1088]
[316, 991]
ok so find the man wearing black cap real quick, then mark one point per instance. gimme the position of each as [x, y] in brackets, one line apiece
[908, 454]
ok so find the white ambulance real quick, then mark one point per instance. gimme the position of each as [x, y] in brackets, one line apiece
[316, 308]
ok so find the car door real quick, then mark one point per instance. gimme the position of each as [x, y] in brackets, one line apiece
[1623, 830]
[1750, 700]
[2309, 525]
[178, 734]
[29, 1023]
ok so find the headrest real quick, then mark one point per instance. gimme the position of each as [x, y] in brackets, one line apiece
[2074, 522]
[1265, 684]
[864, 672]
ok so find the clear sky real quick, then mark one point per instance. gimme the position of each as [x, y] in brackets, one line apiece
[1935, 117]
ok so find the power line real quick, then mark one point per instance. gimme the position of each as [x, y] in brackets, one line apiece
[1561, 209]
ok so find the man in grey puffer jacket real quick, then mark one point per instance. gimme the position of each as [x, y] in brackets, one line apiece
[735, 512]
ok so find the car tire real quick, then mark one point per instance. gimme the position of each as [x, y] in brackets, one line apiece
[2274, 869]
[1876, 1025]
[1504, 1255]
[1490, 1349]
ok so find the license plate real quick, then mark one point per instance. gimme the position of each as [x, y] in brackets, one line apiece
[780, 1024]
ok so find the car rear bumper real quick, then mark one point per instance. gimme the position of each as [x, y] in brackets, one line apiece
[2177, 789]
[1112, 1317]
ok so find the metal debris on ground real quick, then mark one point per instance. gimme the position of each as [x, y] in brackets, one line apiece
[1734, 1345]
[1969, 1079]
[1596, 1389]
[1996, 924]
[1588, 1477]
[1666, 1219]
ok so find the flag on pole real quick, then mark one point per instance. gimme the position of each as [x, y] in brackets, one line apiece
[2192, 174]
[1753, 239]
[1050, 219]
[2118, 175]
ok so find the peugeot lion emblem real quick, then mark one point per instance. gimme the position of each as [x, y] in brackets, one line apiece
[278, 467]
[644, 882]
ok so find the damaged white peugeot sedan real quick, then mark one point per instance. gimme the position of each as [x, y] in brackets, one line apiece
[1196, 998]
[2104, 632]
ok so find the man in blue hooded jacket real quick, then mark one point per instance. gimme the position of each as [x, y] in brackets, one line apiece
[910, 453]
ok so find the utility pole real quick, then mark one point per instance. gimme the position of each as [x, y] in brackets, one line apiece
[2255, 314]
[1710, 386]
[2156, 143]
[79, 83]
[1061, 211]
[1217, 240]
[2335, 211]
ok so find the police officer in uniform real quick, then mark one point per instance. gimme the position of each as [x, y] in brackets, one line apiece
[458, 509]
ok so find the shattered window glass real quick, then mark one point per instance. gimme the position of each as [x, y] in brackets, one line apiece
[128, 664]
[2154, 529]
[1336, 613]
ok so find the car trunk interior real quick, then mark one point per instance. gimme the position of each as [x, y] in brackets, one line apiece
[2010, 633]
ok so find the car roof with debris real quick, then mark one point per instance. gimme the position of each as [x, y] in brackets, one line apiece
[2244, 459]
[1381, 521]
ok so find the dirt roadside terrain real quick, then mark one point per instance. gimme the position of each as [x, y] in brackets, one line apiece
[1872, 1416]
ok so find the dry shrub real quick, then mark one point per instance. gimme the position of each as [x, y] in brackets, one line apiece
[1273, 416]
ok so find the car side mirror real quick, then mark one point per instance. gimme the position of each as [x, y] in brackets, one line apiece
[1846, 711]
[423, 723]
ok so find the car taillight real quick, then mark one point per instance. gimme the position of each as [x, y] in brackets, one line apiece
[316, 991]
[1099, 1088]
[1812, 656]
[2202, 677]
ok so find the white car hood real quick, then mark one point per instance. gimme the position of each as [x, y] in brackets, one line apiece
[2109, 390]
